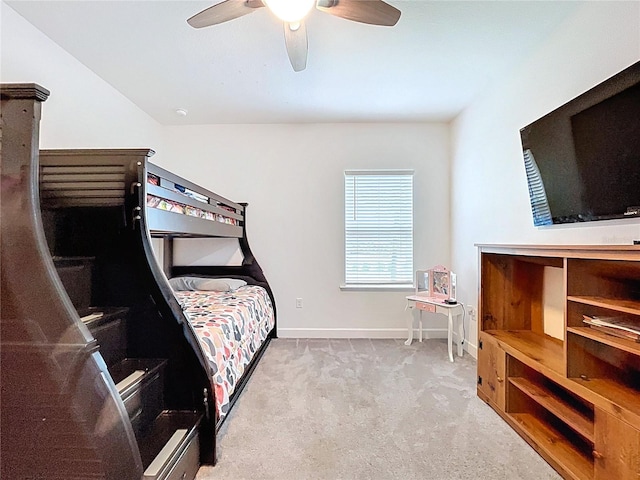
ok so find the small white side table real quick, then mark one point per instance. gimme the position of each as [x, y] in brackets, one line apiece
[436, 305]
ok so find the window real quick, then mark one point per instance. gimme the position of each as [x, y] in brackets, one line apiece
[378, 220]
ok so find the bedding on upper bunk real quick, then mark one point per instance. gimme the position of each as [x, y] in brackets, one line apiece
[231, 326]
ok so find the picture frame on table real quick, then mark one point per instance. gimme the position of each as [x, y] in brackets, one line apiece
[438, 282]
[442, 283]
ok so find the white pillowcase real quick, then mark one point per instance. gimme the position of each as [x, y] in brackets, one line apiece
[201, 283]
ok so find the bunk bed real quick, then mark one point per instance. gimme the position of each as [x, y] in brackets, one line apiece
[233, 325]
[107, 370]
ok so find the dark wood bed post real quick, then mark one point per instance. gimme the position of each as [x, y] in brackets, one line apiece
[167, 255]
[60, 417]
[253, 268]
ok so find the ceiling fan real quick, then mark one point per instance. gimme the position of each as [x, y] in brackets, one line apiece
[293, 12]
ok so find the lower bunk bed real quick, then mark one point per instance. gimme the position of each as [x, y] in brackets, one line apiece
[232, 321]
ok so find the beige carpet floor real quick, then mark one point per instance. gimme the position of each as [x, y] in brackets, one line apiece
[367, 409]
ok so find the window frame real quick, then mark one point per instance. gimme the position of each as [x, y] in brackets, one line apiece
[383, 283]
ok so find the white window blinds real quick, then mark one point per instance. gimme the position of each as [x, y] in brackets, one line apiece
[378, 227]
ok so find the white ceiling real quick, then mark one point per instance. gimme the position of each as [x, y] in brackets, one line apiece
[428, 67]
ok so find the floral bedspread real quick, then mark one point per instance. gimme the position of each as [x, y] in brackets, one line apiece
[231, 327]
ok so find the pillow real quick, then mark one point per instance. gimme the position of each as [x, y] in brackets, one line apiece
[202, 283]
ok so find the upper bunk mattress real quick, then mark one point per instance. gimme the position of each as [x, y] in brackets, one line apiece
[231, 327]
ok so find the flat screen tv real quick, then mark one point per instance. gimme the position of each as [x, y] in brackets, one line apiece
[583, 159]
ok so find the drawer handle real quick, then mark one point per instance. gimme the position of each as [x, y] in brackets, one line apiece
[500, 379]
[597, 454]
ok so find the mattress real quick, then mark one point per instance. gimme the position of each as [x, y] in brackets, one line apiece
[231, 327]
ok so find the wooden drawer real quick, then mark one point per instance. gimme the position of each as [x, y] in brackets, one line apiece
[110, 331]
[187, 465]
[144, 403]
[426, 307]
[179, 459]
[140, 384]
[112, 338]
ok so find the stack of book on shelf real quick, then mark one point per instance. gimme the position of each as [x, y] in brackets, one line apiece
[618, 326]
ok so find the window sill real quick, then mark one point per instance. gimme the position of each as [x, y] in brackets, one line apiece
[378, 288]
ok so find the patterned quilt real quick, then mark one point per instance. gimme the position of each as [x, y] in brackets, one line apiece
[230, 326]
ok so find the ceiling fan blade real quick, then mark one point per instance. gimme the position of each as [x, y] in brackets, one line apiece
[373, 12]
[223, 12]
[295, 38]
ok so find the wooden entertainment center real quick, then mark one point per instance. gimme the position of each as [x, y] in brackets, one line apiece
[575, 399]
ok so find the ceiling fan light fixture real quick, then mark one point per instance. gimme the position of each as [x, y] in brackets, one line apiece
[291, 11]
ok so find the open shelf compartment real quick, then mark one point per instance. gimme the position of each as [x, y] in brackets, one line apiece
[610, 372]
[579, 307]
[557, 422]
[630, 346]
[616, 304]
[533, 349]
[551, 442]
[575, 412]
[514, 309]
[512, 291]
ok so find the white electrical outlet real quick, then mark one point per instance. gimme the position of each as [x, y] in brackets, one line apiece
[298, 303]
[471, 311]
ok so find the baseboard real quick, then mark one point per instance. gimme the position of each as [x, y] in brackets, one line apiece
[357, 333]
[370, 333]
[471, 349]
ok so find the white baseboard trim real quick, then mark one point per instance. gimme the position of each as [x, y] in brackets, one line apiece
[471, 349]
[357, 333]
[427, 333]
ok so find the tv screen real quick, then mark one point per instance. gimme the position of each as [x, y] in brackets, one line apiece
[583, 159]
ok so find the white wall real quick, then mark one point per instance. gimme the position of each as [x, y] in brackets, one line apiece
[292, 178]
[293, 173]
[490, 202]
[83, 110]
[290, 174]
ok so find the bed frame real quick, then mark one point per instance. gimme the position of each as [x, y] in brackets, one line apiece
[169, 225]
[98, 358]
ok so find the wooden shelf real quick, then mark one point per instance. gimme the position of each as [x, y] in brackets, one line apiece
[532, 349]
[573, 418]
[568, 398]
[619, 305]
[555, 446]
[622, 398]
[617, 342]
